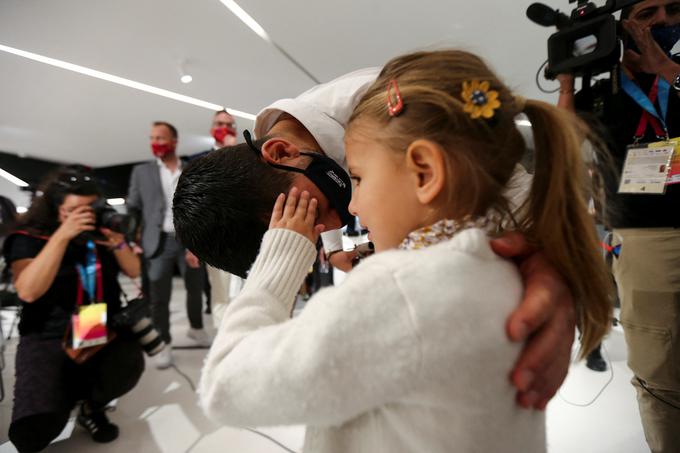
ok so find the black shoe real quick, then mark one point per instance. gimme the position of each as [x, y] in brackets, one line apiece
[595, 362]
[97, 424]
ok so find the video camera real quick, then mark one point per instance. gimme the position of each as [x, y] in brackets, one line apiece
[586, 42]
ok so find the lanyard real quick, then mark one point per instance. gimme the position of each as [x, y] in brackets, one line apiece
[646, 118]
[90, 276]
[660, 88]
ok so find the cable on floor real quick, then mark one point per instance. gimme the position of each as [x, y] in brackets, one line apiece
[259, 433]
[611, 378]
[252, 430]
[185, 376]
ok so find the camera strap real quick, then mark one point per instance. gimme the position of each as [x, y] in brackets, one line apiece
[650, 115]
[88, 323]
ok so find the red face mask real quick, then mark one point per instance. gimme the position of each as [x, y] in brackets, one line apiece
[220, 133]
[161, 149]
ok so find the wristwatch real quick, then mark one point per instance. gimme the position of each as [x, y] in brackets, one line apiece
[676, 82]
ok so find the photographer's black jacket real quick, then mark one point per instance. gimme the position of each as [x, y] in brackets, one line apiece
[49, 315]
[620, 116]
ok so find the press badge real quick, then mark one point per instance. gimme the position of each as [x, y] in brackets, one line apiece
[647, 169]
[89, 326]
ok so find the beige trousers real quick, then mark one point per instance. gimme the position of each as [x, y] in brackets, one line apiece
[647, 274]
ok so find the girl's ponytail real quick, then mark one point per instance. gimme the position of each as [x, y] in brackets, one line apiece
[557, 217]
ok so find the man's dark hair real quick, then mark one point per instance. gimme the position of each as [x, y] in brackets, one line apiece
[223, 203]
[171, 128]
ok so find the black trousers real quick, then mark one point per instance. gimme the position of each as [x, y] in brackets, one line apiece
[48, 385]
[161, 267]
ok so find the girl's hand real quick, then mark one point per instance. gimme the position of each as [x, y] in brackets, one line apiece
[79, 220]
[296, 214]
[113, 239]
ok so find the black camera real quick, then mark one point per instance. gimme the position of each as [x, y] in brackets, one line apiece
[107, 217]
[587, 42]
[134, 317]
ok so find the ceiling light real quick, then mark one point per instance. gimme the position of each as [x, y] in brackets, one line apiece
[21, 209]
[184, 76]
[122, 81]
[257, 28]
[116, 201]
[13, 179]
[246, 19]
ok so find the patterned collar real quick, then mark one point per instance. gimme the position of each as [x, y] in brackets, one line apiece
[445, 229]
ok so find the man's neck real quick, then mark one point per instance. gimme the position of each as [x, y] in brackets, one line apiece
[170, 161]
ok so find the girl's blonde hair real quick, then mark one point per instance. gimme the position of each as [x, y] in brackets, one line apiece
[481, 157]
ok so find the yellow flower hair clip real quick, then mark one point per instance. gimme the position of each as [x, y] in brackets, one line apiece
[479, 100]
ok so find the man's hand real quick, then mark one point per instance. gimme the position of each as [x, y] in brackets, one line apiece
[192, 260]
[651, 59]
[545, 319]
[343, 260]
[297, 216]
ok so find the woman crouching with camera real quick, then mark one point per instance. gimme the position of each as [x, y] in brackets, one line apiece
[64, 267]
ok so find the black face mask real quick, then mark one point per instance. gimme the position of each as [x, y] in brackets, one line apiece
[331, 179]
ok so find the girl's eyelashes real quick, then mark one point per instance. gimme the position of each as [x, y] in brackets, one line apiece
[355, 180]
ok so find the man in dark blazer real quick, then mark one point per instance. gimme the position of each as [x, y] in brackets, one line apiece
[152, 186]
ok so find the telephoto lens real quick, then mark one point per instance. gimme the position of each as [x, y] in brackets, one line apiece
[134, 317]
[147, 336]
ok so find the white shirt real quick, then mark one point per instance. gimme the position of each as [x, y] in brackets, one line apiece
[407, 355]
[169, 184]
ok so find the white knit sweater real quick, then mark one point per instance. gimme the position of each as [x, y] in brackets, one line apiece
[409, 354]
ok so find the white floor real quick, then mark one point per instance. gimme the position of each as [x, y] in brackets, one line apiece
[161, 416]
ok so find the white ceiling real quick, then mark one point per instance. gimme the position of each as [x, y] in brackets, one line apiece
[52, 113]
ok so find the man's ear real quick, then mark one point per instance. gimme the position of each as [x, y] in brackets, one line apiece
[278, 150]
[426, 161]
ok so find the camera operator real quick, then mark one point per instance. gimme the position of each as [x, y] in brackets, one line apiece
[52, 255]
[646, 271]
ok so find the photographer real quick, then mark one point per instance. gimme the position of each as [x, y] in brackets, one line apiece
[643, 107]
[52, 255]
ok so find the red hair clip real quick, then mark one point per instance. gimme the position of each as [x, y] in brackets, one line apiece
[395, 104]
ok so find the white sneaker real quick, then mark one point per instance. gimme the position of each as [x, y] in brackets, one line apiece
[163, 359]
[200, 336]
